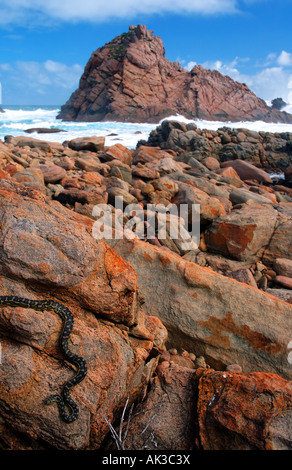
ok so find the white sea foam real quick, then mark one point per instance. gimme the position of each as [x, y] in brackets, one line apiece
[16, 120]
[254, 125]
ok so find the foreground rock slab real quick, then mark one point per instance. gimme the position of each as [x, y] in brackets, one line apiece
[217, 317]
[244, 411]
[47, 252]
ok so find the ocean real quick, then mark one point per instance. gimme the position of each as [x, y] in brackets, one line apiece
[16, 119]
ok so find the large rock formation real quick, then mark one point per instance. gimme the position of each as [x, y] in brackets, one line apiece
[129, 79]
[46, 251]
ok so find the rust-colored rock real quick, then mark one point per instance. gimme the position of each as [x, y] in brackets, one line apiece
[167, 416]
[47, 252]
[244, 233]
[219, 318]
[117, 152]
[246, 171]
[243, 411]
[129, 79]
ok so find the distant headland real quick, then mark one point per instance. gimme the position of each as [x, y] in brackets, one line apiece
[130, 80]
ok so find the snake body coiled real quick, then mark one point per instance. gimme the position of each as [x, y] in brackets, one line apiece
[64, 398]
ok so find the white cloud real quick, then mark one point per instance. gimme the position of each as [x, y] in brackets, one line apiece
[285, 59]
[20, 11]
[40, 76]
[270, 83]
[189, 65]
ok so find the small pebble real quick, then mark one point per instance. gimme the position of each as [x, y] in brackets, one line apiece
[173, 351]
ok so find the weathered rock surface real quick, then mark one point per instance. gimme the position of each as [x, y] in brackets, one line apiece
[211, 410]
[129, 79]
[172, 398]
[93, 143]
[243, 411]
[246, 171]
[47, 252]
[243, 234]
[226, 301]
[221, 318]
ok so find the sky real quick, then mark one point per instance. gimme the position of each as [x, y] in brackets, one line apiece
[45, 44]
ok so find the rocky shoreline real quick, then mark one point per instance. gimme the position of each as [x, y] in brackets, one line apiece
[198, 338]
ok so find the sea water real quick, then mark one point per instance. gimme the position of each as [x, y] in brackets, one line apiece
[16, 119]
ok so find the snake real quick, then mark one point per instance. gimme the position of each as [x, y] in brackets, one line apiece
[63, 400]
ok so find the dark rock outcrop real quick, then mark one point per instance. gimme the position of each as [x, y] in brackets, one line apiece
[262, 149]
[278, 103]
[43, 130]
[130, 79]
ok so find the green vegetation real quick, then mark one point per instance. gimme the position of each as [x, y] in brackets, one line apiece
[120, 46]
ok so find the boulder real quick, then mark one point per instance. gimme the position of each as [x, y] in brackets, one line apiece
[247, 171]
[44, 130]
[145, 154]
[120, 170]
[244, 275]
[21, 141]
[52, 173]
[244, 234]
[264, 150]
[283, 266]
[72, 195]
[93, 143]
[116, 192]
[210, 207]
[283, 294]
[242, 195]
[284, 281]
[47, 252]
[117, 152]
[31, 177]
[210, 314]
[89, 163]
[243, 411]
[210, 410]
[280, 245]
[211, 163]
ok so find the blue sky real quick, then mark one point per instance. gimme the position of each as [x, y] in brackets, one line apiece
[45, 44]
